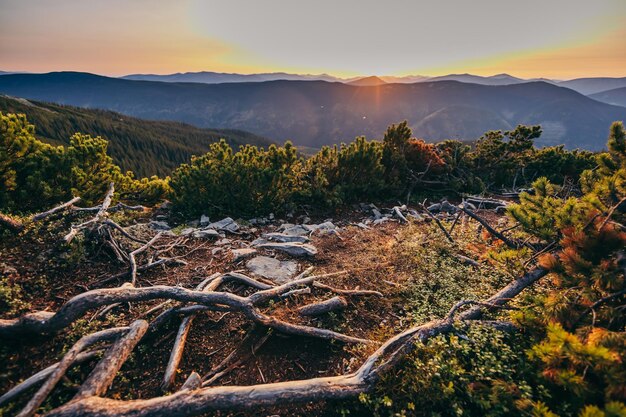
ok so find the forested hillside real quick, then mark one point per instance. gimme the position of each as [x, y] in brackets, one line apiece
[142, 146]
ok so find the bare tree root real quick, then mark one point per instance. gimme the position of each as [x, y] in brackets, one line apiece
[61, 207]
[103, 374]
[347, 292]
[63, 366]
[510, 243]
[323, 307]
[193, 400]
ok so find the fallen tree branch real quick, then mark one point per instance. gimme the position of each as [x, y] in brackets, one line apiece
[347, 292]
[438, 222]
[101, 378]
[69, 204]
[494, 232]
[70, 357]
[323, 307]
[132, 260]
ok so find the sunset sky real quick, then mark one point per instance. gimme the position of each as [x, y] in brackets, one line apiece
[532, 38]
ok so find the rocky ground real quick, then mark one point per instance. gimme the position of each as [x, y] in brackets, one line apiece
[367, 245]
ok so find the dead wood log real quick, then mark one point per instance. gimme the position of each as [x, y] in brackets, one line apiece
[181, 338]
[323, 307]
[487, 203]
[101, 212]
[133, 254]
[101, 378]
[41, 216]
[70, 357]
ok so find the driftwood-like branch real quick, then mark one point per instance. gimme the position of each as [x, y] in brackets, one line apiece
[46, 322]
[61, 207]
[101, 212]
[133, 254]
[101, 378]
[64, 365]
[347, 292]
[181, 338]
[323, 307]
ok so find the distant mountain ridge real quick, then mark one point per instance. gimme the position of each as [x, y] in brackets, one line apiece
[145, 147]
[208, 77]
[617, 96]
[316, 113]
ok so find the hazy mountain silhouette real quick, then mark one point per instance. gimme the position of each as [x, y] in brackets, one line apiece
[617, 96]
[208, 77]
[589, 86]
[315, 113]
[367, 81]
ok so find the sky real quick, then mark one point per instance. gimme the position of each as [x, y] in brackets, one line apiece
[560, 39]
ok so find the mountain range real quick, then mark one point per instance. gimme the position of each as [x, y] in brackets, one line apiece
[316, 113]
[145, 147]
[585, 86]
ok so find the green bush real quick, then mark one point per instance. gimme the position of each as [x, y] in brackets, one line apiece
[35, 175]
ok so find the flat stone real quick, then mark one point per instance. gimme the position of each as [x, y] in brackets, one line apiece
[325, 227]
[223, 242]
[259, 241]
[239, 254]
[159, 225]
[226, 224]
[271, 268]
[204, 220]
[298, 230]
[205, 233]
[187, 231]
[293, 249]
[282, 237]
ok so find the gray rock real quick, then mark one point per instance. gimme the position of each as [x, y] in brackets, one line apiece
[278, 271]
[204, 220]
[259, 241]
[226, 224]
[205, 234]
[298, 230]
[223, 242]
[363, 226]
[293, 249]
[377, 214]
[159, 225]
[282, 237]
[239, 254]
[325, 227]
